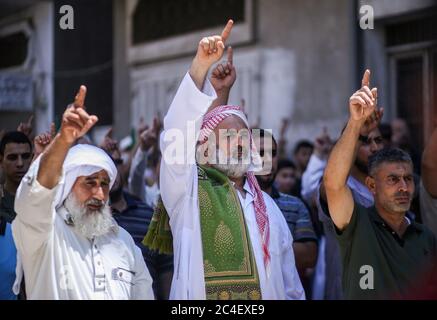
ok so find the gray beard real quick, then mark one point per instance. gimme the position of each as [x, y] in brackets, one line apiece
[232, 170]
[87, 223]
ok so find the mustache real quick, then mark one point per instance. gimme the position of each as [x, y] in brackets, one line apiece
[403, 194]
[95, 202]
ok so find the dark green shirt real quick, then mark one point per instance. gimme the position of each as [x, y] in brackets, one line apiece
[377, 263]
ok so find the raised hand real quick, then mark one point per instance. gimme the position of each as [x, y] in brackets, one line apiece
[224, 74]
[209, 51]
[26, 127]
[76, 122]
[285, 123]
[42, 140]
[110, 145]
[149, 137]
[362, 103]
[323, 145]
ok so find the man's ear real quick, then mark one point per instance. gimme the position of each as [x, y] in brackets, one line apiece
[370, 183]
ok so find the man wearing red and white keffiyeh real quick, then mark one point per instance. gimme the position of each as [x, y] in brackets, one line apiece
[224, 142]
[238, 168]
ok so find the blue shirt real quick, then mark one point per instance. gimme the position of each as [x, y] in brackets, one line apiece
[8, 261]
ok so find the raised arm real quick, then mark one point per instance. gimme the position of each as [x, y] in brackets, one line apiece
[148, 141]
[35, 195]
[339, 196]
[182, 123]
[76, 122]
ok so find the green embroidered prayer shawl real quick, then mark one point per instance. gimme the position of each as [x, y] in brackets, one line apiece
[228, 261]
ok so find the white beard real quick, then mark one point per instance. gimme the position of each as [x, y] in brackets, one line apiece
[90, 224]
[234, 168]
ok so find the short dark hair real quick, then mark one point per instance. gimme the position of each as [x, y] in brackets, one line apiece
[285, 163]
[302, 144]
[391, 155]
[13, 137]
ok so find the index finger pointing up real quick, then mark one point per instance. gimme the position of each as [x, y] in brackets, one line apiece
[29, 121]
[227, 30]
[79, 100]
[366, 78]
[230, 55]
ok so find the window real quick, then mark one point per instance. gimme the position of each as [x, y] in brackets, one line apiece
[157, 19]
[14, 48]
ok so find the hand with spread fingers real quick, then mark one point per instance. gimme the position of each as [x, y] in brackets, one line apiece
[76, 122]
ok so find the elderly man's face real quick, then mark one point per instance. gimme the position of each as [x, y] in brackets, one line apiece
[93, 190]
[232, 139]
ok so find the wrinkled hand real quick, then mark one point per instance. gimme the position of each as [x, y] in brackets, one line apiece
[149, 137]
[76, 122]
[26, 127]
[224, 75]
[323, 145]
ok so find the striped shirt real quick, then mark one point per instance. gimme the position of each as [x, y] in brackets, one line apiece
[297, 216]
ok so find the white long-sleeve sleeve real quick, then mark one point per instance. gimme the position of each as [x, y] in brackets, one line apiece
[181, 129]
[311, 177]
[35, 214]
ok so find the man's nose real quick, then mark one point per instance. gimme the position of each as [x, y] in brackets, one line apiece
[403, 186]
[99, 193]
[20, 162]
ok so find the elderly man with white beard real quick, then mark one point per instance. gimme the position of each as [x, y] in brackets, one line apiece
[230, 240]
[68, 243]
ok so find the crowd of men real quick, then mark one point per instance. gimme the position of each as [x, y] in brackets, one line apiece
[205, 206]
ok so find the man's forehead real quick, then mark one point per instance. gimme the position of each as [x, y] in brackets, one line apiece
[102, 174]
[16, 148]
[399, 168]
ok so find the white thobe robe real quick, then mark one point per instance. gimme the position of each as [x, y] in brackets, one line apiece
[179, 183]
[61, 264]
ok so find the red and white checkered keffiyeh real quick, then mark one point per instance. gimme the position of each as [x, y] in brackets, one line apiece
[212, 120]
